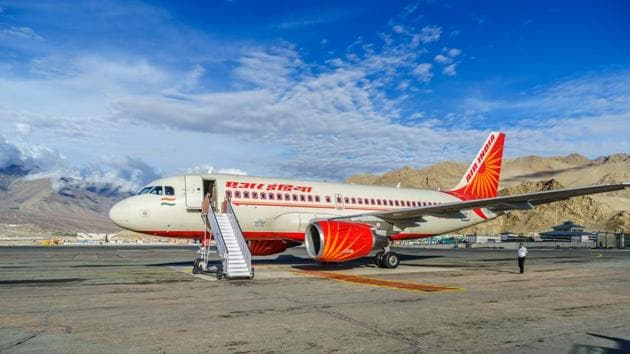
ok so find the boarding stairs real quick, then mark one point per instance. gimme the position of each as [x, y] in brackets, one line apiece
[236, 260]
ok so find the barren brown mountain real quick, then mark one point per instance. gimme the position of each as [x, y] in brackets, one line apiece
[610, 211]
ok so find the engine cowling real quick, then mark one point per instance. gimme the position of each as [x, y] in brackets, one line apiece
[266, 247]
[340, 241]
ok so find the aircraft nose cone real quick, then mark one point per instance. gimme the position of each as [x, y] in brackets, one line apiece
[120, 213]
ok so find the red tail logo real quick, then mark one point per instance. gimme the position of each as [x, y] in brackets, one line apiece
[482, 177]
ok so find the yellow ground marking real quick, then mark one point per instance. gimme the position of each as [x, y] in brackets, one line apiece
[357, 279]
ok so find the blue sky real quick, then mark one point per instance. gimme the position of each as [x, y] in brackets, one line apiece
[309, 89]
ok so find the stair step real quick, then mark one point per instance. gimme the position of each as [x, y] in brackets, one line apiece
[234, 253]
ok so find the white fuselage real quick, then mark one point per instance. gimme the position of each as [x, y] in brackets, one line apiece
[271, 208]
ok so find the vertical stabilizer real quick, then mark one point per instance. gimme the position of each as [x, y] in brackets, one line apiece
[481, 180]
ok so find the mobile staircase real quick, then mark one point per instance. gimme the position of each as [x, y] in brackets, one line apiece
[236, 260]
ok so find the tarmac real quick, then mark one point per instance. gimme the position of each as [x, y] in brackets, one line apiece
[135, 300]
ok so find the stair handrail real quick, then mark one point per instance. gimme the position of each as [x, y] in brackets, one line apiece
[241, 240]
[218, 238]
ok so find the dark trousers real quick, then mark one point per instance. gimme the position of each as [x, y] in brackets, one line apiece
[521, 264]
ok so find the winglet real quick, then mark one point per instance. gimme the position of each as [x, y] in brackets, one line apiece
[481, 180]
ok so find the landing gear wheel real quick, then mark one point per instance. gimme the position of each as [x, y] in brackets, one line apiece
[390, 260]
[196, 268]
[378, 259]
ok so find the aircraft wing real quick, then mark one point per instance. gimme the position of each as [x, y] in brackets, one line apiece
[514, 202]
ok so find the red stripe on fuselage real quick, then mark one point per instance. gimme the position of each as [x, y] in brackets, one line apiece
[250, 235]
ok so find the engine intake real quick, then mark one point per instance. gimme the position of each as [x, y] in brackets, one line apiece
[340, 241]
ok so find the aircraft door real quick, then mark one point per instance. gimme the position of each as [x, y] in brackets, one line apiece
[339, 201]
[194, 191]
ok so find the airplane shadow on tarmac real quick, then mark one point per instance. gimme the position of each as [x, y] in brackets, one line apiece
[623, 346]
[292, 260]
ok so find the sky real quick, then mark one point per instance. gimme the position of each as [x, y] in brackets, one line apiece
[122, 92]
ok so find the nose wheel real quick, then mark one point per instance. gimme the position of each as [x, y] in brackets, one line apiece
[385, 259]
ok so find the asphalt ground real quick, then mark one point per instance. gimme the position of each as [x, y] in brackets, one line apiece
[131, 300]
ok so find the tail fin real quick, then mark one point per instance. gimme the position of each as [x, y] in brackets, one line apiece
[482, 177]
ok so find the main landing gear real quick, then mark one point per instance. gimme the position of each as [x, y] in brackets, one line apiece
[386, 259]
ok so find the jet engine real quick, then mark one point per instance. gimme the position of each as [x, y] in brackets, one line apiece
[340, 241]
[266, 247]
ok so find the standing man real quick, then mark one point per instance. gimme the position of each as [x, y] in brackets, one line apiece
[522, 252]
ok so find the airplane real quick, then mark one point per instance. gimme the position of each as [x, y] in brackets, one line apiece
[336, 222]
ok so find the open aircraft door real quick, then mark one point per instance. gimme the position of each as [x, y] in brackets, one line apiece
[194, 191]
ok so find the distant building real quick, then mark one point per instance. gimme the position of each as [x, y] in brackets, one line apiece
[567, 231]
[482, 239]
[512, 237]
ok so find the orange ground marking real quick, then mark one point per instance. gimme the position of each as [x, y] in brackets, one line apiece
[379, 282]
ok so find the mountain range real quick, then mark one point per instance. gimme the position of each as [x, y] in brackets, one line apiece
[61, 204]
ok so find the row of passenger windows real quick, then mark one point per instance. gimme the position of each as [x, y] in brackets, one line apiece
[327, 199]
[157, 190]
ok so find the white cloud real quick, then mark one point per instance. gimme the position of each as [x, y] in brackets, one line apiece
[453, 52]
[23, 128]
[423, 72]
[206, 168]
[449, 70]
[10, 155]
[398, 29]
[441, 59]
[110, 175]
[21, 33]
[430, 34]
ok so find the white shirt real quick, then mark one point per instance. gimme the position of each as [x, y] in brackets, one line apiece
[522, 251]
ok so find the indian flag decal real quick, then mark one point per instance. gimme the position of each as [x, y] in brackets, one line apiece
[168, 201]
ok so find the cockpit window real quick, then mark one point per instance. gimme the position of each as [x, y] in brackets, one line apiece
[157, 190]
[168, 190]
[144, 190]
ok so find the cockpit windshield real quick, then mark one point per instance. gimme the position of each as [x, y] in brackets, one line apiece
[144, 190]
[157, 190]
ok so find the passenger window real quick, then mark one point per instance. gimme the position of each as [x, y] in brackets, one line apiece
[302, 198]
[346, 200]
[372, 201]
[287, 196]
[397, 203]
[144, 190]
[310, 198]
[254, 195]
[237, 194]
[328, 199]
[338, 200]
[279, 196]
[408, 203]
[168, 190]
[246, 195]
[263, 196]
[378, 201]
[157, 190]
[413, 204]
[360, 200]
[271, 196]
[295, 197]
[317, 200]
[228, 194]
[354, 200]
